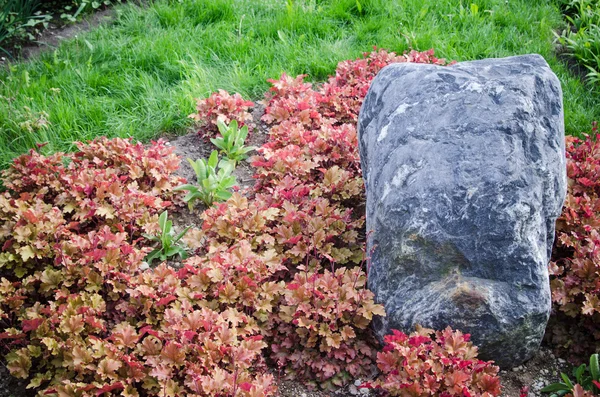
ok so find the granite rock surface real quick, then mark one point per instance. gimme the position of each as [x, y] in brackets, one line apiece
[464, 167]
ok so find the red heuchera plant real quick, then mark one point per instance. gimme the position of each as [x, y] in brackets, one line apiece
[79, 318]
[160, 338]
[434, 363]
[237, 277]
[225, 107]
[320, 332]
[342, 96]
[308, 203]
[575, 266]
[50, 205]
[576, 259]
[313, 228]
[579, 391]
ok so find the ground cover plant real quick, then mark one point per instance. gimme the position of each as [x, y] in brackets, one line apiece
[278, 277]
[232, 141]
[575, 261]
[139, 75]
[430, 363]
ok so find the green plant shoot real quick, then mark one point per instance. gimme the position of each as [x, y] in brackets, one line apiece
[232, 141]
[167, 243]
[214, 180]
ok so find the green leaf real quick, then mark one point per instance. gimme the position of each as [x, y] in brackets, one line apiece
[26, 253]
[223, 195]
[555, 387]
[227, 167]
[594, 369]
[243, 133]
[172, 251]
[202, 170]
[169, 226]
[80, 9]
[228, 183]
[247, 149]
[194, 165]
[20, 271]
[190, 204]
[162, 220]
[213, 160]
[191, 196]
[182, 253]
[152, 238]
[578, 372]
[218, 142]
[566, 379]
[282, 36]
[153, 255]
[185, 187]
[208, 200]
[222, 127]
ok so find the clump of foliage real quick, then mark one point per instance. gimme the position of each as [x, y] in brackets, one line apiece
[224, 107]
[320, 334]
[586, 384]
[582, 36]
[166, 243]
[434, 363]
[214, 179]
[232, 140]
[107, 187]
[18, 19]
[575, 266]
[79, 315]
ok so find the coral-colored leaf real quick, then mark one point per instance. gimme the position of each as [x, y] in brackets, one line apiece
[31, 325]
[165, 301]
[109, 388]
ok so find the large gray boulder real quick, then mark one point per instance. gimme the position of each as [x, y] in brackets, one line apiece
[465, 174]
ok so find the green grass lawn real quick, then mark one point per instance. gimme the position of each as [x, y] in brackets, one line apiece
[139, 76]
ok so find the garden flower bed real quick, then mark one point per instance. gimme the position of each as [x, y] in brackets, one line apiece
[275, 282]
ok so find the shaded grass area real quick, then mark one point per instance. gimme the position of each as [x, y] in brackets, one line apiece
[139, 76]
